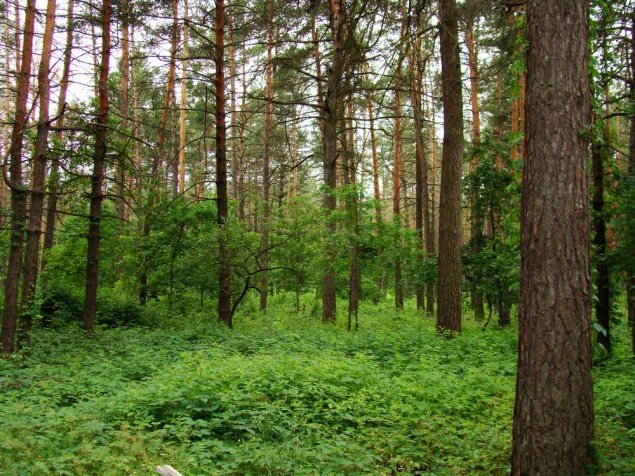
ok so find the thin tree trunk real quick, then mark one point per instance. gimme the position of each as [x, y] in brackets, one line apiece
[18, 192]
[602, 280]
[355, 287]
[124, 106]
[159, 157]
[241, 142]
[373, 148]
[97, 179]
[169, 93]
[183, 106]
[476, 228]
[40, 158]
[422, 217]
[432, 247]
[396, 191]
[553, 416]
[630, 285]
[224, 273]
[266, 179]
[450, 272]
[234, 111]
[120, 203]
[51, 213]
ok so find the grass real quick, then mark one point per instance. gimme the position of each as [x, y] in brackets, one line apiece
[282, 394]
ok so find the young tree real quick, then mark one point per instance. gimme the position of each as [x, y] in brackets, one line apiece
[97, 178]
[450, 273]
[553, 417]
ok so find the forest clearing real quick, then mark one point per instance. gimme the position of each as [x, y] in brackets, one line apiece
[282, 394]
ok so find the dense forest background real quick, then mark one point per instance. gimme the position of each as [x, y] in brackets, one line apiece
[277, 165]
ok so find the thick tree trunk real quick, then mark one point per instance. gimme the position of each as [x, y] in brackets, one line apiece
[553, 417]
[38, 173]
[266, 178]
[224, 272]
[51, 205]
[18, 192]
[97, 179]
[450, 271]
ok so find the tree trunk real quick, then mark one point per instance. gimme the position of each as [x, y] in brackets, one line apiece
[553, 417]
[183, 106]
[396, 192]
[630, 285]
[422, 216]
[602, 280]
[224, 273]
[124, 106]
[332, 111]
[233, 74]
[120, 203]
[450, 272]
[97, 179]
[373, 148]
[169, 93]
[475, 228]
[266, 179]
[51, 213]
[432, 247]
[40, 158]
[18, 192]
[355, 285]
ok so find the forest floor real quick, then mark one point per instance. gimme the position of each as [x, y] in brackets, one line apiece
[283, 394]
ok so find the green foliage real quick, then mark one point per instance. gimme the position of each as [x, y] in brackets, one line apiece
[280, 394]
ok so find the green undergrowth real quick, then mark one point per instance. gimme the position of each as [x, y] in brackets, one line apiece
[281, 394]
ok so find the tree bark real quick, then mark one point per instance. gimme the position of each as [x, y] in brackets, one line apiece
[553, 416]
[224, 273]
[40, 158]
[450, 271]
[18, 191]
[97, 179]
